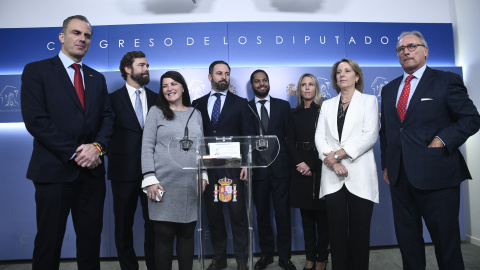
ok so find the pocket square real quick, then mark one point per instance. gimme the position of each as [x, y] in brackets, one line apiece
[425, 99]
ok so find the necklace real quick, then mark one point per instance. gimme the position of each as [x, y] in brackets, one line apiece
[341, 110]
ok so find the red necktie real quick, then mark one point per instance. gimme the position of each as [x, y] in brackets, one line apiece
[78, 83]
[403, 100]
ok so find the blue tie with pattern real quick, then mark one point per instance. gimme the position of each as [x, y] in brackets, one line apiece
[139, 108]
[216, 109]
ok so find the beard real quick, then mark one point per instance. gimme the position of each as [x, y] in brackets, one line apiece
[220, 85]
[138, 77]
[261, 94]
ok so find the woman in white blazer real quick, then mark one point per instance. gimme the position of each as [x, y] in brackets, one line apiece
[346, 131]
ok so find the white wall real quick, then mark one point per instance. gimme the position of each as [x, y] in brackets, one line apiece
[462, 13]
[47, 13]
[467, 55]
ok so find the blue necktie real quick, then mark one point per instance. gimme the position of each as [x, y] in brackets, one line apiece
[216, 109]
[139, 108]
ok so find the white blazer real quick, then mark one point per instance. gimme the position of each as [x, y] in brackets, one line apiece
[359, 135]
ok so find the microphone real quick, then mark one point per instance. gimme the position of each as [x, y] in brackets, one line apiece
[186, 143]
[261, 144]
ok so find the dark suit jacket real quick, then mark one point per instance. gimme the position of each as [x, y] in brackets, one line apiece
[439, 107]
[280, 113]
[229, 124]
[124, 153]
[230, 119]
[54, 116]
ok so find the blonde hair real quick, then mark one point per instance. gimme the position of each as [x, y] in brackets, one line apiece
[317, 98]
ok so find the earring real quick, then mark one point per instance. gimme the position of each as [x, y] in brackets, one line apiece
[356, 81]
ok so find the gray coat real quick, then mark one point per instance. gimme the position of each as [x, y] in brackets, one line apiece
[179, 202]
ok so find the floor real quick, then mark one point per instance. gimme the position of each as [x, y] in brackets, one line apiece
[380, 259]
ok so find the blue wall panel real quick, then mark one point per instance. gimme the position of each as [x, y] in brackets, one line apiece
[284, 49]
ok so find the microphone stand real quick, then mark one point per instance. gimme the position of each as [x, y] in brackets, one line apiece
[261, 144]
[186, 143]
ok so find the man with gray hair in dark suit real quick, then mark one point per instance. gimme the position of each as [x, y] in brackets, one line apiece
[426, 116]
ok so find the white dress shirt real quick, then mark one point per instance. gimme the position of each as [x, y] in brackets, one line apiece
[67, 62]
[212, 98]
[259, 106]
[133, 97]
[413, 83]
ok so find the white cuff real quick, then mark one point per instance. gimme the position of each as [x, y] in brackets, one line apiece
[151, 180]
[205, 176]
[440, 140]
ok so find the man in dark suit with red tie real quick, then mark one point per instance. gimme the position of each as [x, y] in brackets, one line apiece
[66, 109]
[222, 114]
[272, 182]
[426, 116]
[130, 105]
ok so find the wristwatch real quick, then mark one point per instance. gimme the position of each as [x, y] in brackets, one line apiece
[335, 156]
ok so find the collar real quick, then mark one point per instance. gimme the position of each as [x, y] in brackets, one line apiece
[224, 92]
[267, 98]
[131, 90]
[418, 74]
[66, 61]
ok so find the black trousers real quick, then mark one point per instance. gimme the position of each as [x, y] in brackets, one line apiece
[238, 218]
[125, 199]
[165, 234]
[439, 209]
[315, 234]
[279, 190]
[85, 198]
[349, 218]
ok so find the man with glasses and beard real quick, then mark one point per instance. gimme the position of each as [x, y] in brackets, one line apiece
[273, 181]
[222, 114]
[130, 105]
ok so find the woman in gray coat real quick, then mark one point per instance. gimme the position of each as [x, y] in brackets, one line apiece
[172, 190]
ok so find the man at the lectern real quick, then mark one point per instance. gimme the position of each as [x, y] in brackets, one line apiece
[273, 181]
[222, 113]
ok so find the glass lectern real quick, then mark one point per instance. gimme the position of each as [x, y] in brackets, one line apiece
[194, 153]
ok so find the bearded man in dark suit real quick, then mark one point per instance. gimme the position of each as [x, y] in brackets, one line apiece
[227, 121]
[274, 181]
[130, 105]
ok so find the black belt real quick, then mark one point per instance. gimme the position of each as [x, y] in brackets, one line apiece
[305, 145]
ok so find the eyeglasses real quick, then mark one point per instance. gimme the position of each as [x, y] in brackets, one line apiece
[411, 47]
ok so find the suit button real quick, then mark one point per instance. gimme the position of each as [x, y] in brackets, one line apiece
[214, 131]
[401, 129]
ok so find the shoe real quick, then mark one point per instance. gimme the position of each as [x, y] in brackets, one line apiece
[217, 265]
[263, 262]
[287, 265]
[242, 267]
